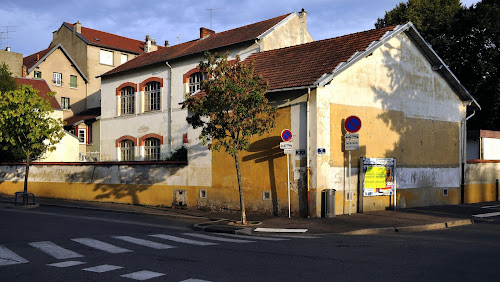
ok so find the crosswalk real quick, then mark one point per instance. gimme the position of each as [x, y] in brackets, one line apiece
[120, 244]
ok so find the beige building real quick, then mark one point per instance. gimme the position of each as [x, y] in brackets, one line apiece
[97, 52]
[58, 68]
[13, 60]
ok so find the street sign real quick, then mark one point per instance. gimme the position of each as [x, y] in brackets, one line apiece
[352, 124]
[300, 152]
[321, 151]
[352, 136]
[286, 135]
[288, 151]
[351, 144]
[286, 145]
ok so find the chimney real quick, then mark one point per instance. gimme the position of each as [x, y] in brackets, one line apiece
[37, 57]
[303, 25]
[166, 43]
[147, 44]
[7, 49]
[77, 27]
[25, 71]
[206, 32]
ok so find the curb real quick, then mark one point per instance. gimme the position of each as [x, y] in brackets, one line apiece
[415, 228]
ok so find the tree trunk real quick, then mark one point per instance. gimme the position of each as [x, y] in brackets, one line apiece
[240, 188]
[26, 173]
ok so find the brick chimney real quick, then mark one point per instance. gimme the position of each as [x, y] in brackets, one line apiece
[206, 32]
[77, 27]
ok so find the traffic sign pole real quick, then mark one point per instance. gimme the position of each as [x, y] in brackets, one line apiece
[288, 178]
[287, 146]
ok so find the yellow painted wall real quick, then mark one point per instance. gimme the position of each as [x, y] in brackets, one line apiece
[263, 168]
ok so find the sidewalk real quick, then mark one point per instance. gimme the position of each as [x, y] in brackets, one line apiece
[387, 221]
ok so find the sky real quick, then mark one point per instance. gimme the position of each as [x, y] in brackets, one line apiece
[30, 23]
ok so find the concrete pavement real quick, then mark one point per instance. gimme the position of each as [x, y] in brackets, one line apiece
[387, 221]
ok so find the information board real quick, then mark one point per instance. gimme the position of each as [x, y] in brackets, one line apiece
[378, 177]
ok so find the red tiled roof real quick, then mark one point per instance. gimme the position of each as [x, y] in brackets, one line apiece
[42, 87]
[31, 60]
[83, 116]
[218, 40]
[302, 65]
[113, 41]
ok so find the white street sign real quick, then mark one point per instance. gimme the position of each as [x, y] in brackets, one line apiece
[352, 136]
[351, 144]
[288, 151]
[286, 145]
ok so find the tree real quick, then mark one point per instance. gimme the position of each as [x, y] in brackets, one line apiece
[230, 109]
[7, 82]
[27, 130]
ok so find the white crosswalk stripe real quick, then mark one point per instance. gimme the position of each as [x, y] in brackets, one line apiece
[208, 237]
[142, 275]
[8, 257]
[194, 280]
[100, 245]
[103, 268]
[55, 250]
[183, 240]
[254, 237]
[491, 214]
[66, 263]
[142, 242]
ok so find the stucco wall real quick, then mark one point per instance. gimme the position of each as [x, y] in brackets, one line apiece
[289, 33]
[482, 181]
[14, 61]
[408, 112]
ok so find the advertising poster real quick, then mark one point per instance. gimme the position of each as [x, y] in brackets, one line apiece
[378, 179]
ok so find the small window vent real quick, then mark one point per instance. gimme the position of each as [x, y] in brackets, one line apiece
[203, 194]
[445, 192]
[97, 39]
[266, 195]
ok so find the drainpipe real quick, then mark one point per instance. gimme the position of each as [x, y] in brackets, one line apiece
[169, 108]
[308, 169]
[260, 46]
[464, 156]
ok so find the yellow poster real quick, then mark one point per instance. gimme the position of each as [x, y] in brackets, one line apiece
[375, 177]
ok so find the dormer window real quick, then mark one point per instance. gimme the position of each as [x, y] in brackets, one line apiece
[195, 81]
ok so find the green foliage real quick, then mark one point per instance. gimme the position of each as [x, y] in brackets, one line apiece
[178, 155]
[27, 130]
[232, 106]
[7, 82]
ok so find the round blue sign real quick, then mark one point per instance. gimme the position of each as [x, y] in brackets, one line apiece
[352, 124]
[286, 135]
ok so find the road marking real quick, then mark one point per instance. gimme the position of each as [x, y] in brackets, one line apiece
[183, 240]
[254, 237]
[142, 275]
[491, 214]
[491, 207]
[66, 263]
[55, 250]
[102, 268]
[8, 257]
[100, 245]
[142, 242]
[280, 230]
[195, 280]
[218, 238]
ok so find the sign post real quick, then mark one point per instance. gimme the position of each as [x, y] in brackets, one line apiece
[287, 146]
[352, 124]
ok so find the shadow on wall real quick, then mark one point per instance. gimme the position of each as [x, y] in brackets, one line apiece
[267, 150]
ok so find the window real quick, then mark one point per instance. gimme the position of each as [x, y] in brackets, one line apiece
[89, 129]
[57, 79]
[123, 58]
[37, 74]
[106, 57]
[81, 135]
[195, 81]
[152, 149]
[152, 92]
[128, 100]
[65, 103]
[127, 150]
[72, 81]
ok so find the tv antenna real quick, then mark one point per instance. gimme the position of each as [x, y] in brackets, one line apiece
[6, 32]
[211, 10]
[178, 38]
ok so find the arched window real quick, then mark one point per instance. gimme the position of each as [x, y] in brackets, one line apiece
[127, 150]
[127, 100]
[152, 96]
[195, 81]
[152, 149]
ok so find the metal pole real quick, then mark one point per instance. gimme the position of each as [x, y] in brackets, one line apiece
[288, 180]
[350, 196]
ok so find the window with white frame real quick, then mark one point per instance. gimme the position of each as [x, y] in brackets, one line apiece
[82, 134]
[127, 150]
[106, 57]
[127, 100]
[195, 81]
[57, 79]
[65, 103]
[152, 149]
[123, 58]
[152, 96]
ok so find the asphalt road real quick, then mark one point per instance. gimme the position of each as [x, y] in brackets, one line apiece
[60, 244]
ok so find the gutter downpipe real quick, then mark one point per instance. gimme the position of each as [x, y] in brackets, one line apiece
[169, 108]
[260, 46]
[464, 156]
[308, 169]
